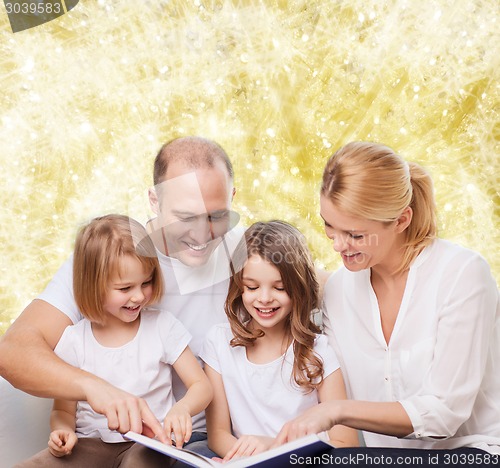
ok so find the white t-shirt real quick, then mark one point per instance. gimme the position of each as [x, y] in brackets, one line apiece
[195, 296]
[141, 367]
[261, 397]
[441, 362]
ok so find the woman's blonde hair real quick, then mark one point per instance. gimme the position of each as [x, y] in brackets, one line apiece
[370, 181]
[284, 247]
[99, 248]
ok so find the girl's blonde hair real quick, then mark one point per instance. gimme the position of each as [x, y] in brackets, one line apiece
[99, 248]
[370, 181]
[284, 247]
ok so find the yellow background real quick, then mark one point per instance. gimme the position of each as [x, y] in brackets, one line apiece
[87, 100]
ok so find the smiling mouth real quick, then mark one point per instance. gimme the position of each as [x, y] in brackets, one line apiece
[133, 309]
[197, 247]
[267, 310]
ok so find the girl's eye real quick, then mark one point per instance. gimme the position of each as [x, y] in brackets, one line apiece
[279, 289]
[147, 283]
[356, 236]
[124, 289]
[251, 288]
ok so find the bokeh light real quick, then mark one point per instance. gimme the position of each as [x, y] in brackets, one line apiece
[87, 100]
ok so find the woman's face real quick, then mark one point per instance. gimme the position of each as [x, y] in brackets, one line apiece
[361, 243]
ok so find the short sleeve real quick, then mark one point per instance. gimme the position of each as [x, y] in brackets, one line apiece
[209, 353]
[59, 292]
[327, 354]
[69, 344]
[174, 336]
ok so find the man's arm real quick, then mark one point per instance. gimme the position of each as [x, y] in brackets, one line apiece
[27, 359]
[28, 362]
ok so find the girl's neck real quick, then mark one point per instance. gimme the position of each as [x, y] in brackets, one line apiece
[115, 333]
[269, 347]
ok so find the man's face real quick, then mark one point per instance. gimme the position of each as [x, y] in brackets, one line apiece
[193, 208]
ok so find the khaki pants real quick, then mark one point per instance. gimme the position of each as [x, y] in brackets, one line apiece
[94, 453]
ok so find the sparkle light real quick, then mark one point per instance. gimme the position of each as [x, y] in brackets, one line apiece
[88, 99]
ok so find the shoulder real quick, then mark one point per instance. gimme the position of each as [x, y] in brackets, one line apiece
[323, 349]
[216, 349]
[78, 329]
[218, 338]
[74, 340]
[321, 345]
[163, 322]
[344, 281]
[454, 260]
[219, 331]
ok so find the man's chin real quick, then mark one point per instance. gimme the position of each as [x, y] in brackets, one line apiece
[194, 258]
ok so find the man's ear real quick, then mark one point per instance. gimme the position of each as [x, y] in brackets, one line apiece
[153, 200]
[404, 219]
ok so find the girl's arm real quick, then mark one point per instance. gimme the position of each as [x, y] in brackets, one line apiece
[381, 417]
[220, 437]
[198, 396]
[333, 388]
[62, 423]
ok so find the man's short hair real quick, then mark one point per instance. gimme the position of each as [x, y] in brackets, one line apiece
[195, 152]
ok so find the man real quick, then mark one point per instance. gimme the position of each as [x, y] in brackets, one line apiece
[192, 197]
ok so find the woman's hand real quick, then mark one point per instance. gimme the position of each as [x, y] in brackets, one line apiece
[312, 421]
[178, 422]
[61, 442]
[248, 445]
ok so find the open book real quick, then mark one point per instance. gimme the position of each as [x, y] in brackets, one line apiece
[308, 446]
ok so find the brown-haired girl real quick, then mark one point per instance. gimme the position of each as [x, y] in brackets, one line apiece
[268, 364]
[116, 277]
[415, 320]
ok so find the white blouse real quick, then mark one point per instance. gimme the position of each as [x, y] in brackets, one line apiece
[442, 362]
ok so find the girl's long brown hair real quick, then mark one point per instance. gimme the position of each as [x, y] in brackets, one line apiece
[284, 247]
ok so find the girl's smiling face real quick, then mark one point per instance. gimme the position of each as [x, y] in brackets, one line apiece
[129, 291]
[264, 296]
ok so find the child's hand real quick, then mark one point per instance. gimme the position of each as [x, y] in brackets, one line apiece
[61, 442]
[178, 422]
[248, 445]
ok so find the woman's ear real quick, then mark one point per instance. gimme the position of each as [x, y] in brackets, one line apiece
[153, 200]
[404, 219]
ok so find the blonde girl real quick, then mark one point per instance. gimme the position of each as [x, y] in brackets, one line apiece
[268, 364]
[125, 341]
[415, 320]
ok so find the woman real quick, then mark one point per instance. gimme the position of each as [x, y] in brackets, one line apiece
[413, 319]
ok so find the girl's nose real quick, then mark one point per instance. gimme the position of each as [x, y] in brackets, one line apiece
[265, 296]
[138, 296]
